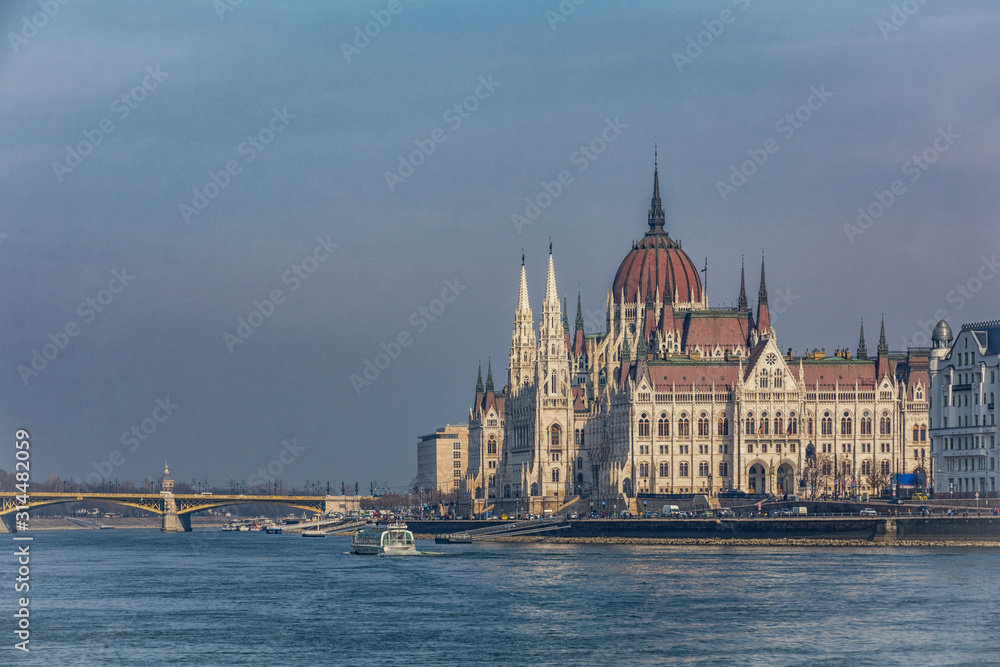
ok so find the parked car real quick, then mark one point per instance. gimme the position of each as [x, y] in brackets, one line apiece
[782, 511]
[920, 497]
[868, 511]
[895, 501]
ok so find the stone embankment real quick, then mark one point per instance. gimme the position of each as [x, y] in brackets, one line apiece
[719, 542]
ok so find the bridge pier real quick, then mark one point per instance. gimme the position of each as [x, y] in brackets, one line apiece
[172, 521]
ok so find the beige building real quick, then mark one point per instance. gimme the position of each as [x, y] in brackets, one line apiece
[677, 397]
[442, 458]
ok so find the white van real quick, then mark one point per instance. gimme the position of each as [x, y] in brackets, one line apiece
[671, 511]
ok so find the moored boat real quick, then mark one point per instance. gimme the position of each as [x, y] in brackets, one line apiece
[384, 539]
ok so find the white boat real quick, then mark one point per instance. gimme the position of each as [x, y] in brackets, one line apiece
[384, 539]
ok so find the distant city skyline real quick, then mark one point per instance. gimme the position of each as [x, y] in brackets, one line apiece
[235, 236]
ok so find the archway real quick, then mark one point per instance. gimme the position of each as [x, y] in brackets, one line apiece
[785, 482]
[627, 487]
[757, 478]
[534, 489]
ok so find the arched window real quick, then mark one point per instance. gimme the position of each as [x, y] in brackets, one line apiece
[866, 467]
[723, 425]
[664, 469]
[827, 468]
[750, 425]
[777, 378]
[793, 424]
[809, 425]
[555, 434]
[885, 424]
[491, 446]
[684, 469]
[845, 424]
[723, 469]
[703, 469]
[919, 394]
[826, 425]
[643, 470]
[703, 424]
[923, 433]
[916, 433]
[846, 466]
[663, 426]
[763, 379]
[643, 426]
[885, 467]
[683, 426]
[506, 490]
[765, 425]
[555, 474]
[779, 424]
[866, 424]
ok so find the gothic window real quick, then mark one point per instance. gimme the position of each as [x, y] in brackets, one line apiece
[793, 424]
[750, 424]
[919, 393]
[847, 468]
[827, 468]
[866, 467]
[553, 385]
[923, 433]
[703, 425]
[684, 469]
[555, 432]
[492, 479]
[491, 446]
[866, 424]
[643, 426]
[763, 379]
[916, 433]
[555, 474]
[885, 424]
[826, 424]
[885, 467]
[809, 425]
[663, 426]
[723, 425]
[779, 424]
[765, 425]
[578, 435]
[845, 424]
[723, 469]
[683, 426]
[703, 469]
[664, 469]
[643, 470]
[777, 378]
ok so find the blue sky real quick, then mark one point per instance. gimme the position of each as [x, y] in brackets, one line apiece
[205, 91]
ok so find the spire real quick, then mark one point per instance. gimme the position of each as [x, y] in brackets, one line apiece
[883, 347]
[522, 295]
[762, 293]
[579, 311]
[626, 352]
[649, 289]
[640, 348]
[743, 289]
[565, 319]
[489, 377]
[656, 217]
[479, 380]
[550, 281]
[862, 348]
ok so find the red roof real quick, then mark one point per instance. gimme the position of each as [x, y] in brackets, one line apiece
[657, 262]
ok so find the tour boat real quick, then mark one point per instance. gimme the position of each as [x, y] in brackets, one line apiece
[384, 539]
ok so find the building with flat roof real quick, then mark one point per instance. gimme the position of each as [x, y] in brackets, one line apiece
[441, 458]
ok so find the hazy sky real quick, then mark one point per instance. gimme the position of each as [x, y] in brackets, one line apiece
[167, 167]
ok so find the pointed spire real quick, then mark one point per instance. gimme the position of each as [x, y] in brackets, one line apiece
[579, 311]
[522, 295]
[565, 318]
[883, 347]
[743, 289]
[649, 289]
[640, 348]
[656, 217]
[479, 381]
[862, 348]
[489, 377]
[550, 281]
[762, 293]
[626, 352]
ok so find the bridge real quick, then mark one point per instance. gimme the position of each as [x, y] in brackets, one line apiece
[175, 508]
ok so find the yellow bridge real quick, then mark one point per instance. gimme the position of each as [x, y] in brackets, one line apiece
[176, 509]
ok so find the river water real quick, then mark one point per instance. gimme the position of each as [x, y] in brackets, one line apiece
[129, 597]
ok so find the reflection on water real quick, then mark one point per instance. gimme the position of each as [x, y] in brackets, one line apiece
[235, 598]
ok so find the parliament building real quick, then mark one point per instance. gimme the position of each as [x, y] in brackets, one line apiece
[678, 397]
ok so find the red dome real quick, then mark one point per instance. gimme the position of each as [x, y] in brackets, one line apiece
[657, 263]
